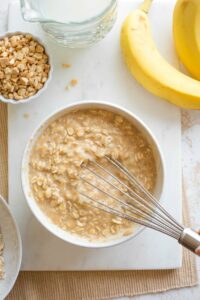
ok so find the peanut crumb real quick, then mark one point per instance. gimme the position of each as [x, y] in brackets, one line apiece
[73, 82]
[66, 65]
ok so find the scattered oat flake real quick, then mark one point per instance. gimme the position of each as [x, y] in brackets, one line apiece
[26, 115]
[1, 257]
[68, 87]
[66, 65]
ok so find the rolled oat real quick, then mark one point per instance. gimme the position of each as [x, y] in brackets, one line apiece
[1, 257]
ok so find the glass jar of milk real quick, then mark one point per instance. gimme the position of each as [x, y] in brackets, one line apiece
[72, 23]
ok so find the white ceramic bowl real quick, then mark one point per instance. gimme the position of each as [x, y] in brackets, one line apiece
[12, 249]
[13, 101]
[42, 218]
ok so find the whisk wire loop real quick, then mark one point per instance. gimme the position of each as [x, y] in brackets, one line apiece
[146, 192]
[134, 202]
[135, 197]
[141, 206]
[115, 212]
[141, 212]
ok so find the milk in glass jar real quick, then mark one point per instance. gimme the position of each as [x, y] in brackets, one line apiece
[72, 23]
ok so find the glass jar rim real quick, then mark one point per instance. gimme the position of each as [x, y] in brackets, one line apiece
[82, 23]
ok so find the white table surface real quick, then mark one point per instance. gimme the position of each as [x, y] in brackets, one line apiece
[161, 117]
[191, 174]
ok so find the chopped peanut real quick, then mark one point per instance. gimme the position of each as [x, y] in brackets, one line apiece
[66, 65]
[74, 82]
[24, 67]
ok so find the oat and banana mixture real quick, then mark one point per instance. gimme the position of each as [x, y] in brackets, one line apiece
[1, 257]
[57, 161]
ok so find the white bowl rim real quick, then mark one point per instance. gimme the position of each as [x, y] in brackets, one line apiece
[44, 123]
[18, 236]
[36, 38]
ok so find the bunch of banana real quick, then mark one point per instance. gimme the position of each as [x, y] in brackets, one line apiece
[150, 68]
[186, 30]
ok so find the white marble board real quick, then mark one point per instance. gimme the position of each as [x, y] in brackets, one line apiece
[101, 75]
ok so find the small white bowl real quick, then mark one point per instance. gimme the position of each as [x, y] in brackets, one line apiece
[12, 249]
[42, 218]
[13, 101]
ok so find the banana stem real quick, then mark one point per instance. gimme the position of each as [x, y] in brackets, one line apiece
[145, 6]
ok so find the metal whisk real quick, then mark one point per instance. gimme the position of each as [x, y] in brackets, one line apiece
[140, 206]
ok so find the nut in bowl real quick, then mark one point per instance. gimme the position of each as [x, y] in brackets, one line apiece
[25, 67]
[53, 166]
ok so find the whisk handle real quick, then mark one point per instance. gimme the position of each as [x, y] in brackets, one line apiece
[190, 239]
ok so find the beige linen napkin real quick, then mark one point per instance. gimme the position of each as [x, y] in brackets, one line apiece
[91, 285]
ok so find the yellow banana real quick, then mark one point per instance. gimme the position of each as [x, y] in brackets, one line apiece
[186, 30]
[150, 68]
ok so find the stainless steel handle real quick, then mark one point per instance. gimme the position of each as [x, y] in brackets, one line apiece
[190, 239]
